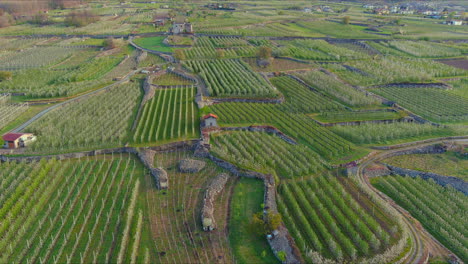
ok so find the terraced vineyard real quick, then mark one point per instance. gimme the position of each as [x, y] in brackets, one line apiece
[298, 126]
[329, 85]
[102, 120]
[264, 152]
[333, 117]
[231, 78]
[302, 99]
[171, 114]
[70, 211]
[432, 103]
[9, 111]
[441, 210]
[325, 218]
[81, 71]
[388, 133]
[175, 223]
[171, 79]
[423, 48]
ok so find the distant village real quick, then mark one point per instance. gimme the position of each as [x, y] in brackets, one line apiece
[456, 18]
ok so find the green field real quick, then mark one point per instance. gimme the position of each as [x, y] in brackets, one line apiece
[153, 43]
[246, 244]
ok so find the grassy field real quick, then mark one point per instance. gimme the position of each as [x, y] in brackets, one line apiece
[448, 164]
[153, 43]
[247, 246]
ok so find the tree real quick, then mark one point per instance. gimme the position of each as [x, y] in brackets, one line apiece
[179, 54]
[40, 19]
[273, 221]
[109, 43]
[220, 53]
[346, 20]
[80, 18]
[264, 52]
[4, 75]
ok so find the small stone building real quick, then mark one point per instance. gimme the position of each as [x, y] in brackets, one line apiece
[181, 28]
[210, 120]
[18, 140]
[161, 178]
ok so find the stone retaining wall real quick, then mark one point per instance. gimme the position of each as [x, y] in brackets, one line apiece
[418, 142]
[282, 241]
[215, 187]
[455, 182]
[266, 129]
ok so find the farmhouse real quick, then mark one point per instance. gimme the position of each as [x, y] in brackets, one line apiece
[180, 28]
[18, 140]
[455, 22]
[210, 120]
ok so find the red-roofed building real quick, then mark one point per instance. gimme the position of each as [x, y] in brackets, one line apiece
[18, 140]
[210, 120]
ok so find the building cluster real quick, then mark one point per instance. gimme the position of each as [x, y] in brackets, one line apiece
[223, 6]
[417, 8]
[318, 8]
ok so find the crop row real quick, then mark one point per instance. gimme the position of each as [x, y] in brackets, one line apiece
[337, 89]
[261, 151]
[301, 99]
[35, 57]
[66, 211]
[392, 69]
[432, 103]
[419, 48]
[170, 114]
[231, 78]
[9, 111]
[323, 217]
[381, 133]
[442, 210]
[220, 42]
[98, 121]
[295, 125]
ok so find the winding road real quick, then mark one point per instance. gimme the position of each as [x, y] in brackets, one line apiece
[423, 242]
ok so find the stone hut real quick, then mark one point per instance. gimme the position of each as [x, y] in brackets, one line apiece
[215, 187]
[161, 178]
[191, 165]
[210, 120]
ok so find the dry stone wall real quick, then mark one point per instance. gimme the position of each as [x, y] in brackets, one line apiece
[215, 187]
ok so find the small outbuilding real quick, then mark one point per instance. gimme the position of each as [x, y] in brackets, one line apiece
[18, 140]
[210, 120]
